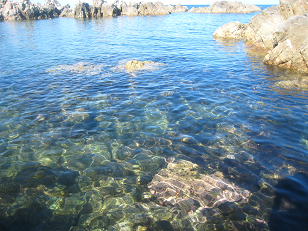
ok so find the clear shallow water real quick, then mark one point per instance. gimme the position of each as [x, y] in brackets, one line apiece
[79, 143]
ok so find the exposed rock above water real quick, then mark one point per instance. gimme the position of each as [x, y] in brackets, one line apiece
[291, 45]
[227, 7]
[100, 9]
[136, 66]
[259, 32]
[234, 30]
[281, 30]
[10, 10]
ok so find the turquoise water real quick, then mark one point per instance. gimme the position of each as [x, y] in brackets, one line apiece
[81, 138]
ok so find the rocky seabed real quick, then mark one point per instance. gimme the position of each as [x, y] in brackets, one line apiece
[138, 173]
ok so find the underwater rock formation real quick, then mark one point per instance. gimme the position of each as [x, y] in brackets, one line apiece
[180, 184]
[226, 7]
[133, 66]
[80, 67]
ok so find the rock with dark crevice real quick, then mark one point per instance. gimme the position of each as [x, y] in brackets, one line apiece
[291, 45]
[279, 30]
[24, 10]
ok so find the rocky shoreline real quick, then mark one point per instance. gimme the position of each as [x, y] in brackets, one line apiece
[25, 10]
[226, 7]
[280, 30]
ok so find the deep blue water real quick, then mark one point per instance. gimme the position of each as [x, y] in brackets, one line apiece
[73, 121]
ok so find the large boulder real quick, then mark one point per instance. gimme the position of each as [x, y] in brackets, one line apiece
[233, 30]
[289, 8]
[181, 186]
[24, 9]
[11, 11]
[66, 11]
[110, 10]
[2, 3]
[97, 3]
[130, 10]
[177, 9]
[51, 8]
[227, 7]
[260, 29]
[281, 30]
[82, 10]
[52, 3]
[28, 10]
[150, 8]
[291, 45]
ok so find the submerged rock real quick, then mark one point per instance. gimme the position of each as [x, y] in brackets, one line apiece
[136, 65]
[227, 7]
[80, 67]
[181, 185]
[293, 84]
[233, 30]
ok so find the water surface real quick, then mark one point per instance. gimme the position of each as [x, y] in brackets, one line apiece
[81, 138]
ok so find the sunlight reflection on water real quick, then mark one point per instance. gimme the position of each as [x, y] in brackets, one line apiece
[81, 138]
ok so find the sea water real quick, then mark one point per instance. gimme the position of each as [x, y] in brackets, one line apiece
[81, 138]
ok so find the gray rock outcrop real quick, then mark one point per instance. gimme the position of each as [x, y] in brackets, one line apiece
[178, 8]
[234, 30]
[149, 8]
[110, 10]
[281, 31]
[10, 10]
[227, 7]
[103, 9]
[24, 9]
[260, 29]
[82, 10]
[66, 11]
[130, 10]
[291, 45]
